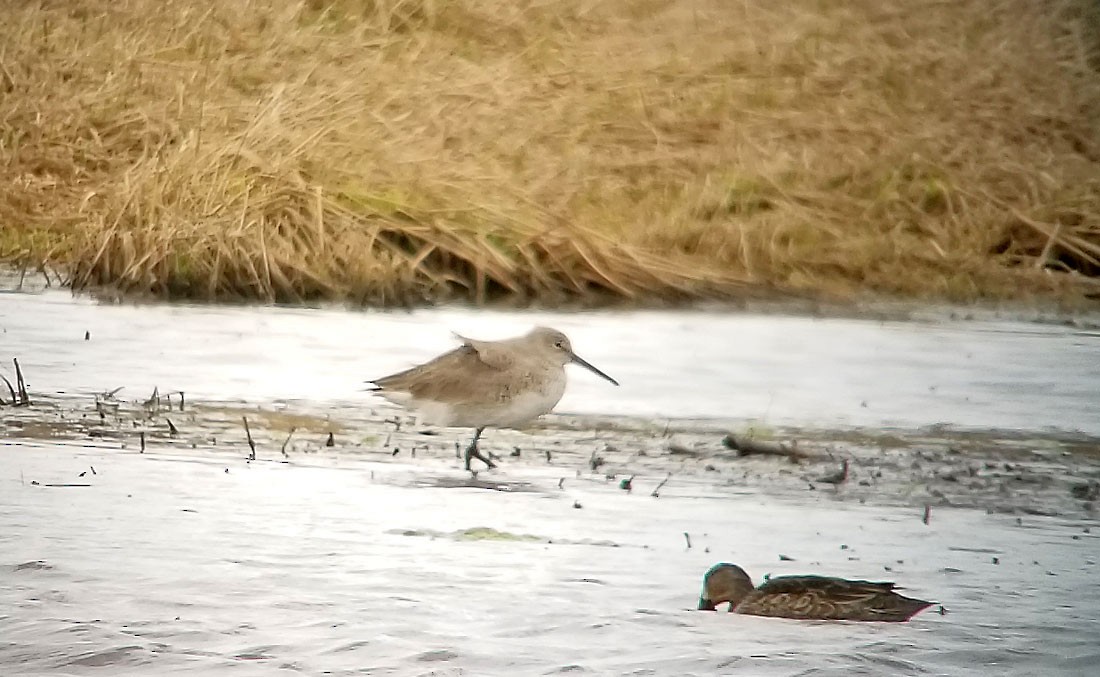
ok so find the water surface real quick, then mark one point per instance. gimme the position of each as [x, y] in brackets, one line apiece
[203, 564]
[189, 560]
[782, 370]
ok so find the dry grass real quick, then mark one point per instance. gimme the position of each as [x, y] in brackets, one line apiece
[397, 151]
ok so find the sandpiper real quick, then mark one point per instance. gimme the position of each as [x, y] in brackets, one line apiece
[482, 384]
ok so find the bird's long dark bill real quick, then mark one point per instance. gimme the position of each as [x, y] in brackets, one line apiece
[589, 367]
[705, 604]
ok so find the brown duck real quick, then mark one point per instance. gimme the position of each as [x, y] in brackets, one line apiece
[806, 597]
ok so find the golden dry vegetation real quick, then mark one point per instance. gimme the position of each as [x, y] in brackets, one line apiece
[402, 151]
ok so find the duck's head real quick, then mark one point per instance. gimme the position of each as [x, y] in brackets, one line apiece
[724, 583]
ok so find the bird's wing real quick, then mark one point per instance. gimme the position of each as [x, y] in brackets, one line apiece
[493, 353]
[447, 378]
[841, 588]
[824, 597]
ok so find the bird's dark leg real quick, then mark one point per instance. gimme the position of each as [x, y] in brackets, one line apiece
[473, 452]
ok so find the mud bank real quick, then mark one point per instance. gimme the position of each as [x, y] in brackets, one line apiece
[995, 471]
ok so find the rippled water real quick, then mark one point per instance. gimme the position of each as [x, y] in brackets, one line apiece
[172, 565]
[195, 562]
[781, 370]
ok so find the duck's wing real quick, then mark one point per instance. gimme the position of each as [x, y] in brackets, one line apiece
[827, 598]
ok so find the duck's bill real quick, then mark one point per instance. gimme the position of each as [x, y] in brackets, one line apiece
[705, 604]
[589, 367]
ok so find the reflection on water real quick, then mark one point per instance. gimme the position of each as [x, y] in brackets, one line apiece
[205, 565]
[782, 370]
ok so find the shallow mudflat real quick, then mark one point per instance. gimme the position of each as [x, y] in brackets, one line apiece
[1021, 473]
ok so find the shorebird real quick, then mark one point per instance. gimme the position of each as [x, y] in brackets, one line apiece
[806, 597]
[481, 384]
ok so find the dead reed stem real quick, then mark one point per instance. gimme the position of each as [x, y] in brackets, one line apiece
[251, 442]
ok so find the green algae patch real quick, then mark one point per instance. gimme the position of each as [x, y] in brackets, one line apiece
[473, 534]
[490, 534]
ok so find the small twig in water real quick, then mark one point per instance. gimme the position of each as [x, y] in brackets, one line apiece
[172, 428]
[927, 517]
[251, 443]
[287, 441]
[331, 441]
[687, 537]
[181, 400]
[14, 400]
[153, 403]
[142, 436]
[747, 447]
[561, 483]
[24, 398]
[657, 491]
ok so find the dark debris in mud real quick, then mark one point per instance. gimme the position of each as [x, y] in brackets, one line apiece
[20, 397]
[1010, 473]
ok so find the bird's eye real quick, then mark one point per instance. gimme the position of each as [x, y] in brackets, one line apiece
[559, 345]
